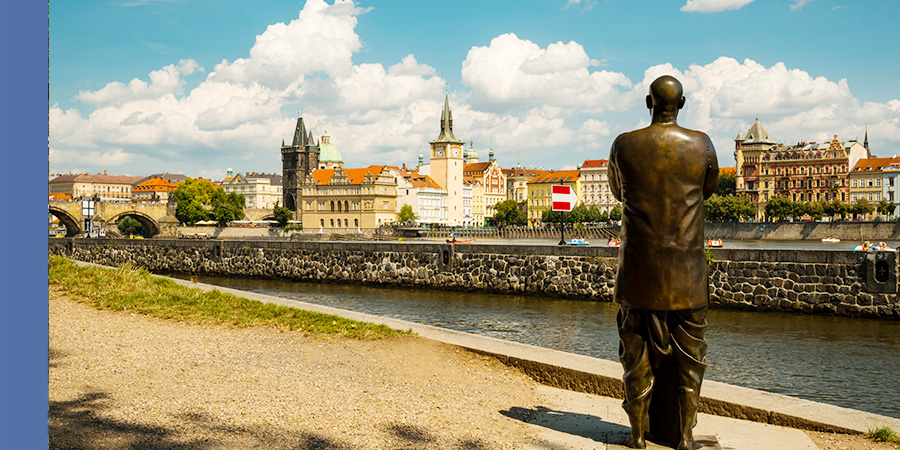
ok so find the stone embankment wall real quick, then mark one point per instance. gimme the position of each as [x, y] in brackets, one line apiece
[845, 283]
[845, 231]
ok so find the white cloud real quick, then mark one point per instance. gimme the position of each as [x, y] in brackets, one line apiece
[725, 96]
[710, 6]
[798, 4]
[512, 73]
[165, 81]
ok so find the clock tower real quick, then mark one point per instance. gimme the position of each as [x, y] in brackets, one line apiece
[447, 165]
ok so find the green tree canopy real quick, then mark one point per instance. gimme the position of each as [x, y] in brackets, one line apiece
[129, 225]
[726, 184]
[779, 207]
[406, 214]
[616, 213]
[194, 197]
[282, 214]
[886, 207]
[507, 213]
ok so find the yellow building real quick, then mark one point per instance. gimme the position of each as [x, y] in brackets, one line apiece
[492, 189]
[347, 200]
[539, 196]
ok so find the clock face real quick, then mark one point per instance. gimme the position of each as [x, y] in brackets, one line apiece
[455, 152]
[440, 152]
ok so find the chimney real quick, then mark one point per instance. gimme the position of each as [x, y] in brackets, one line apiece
[104, 172]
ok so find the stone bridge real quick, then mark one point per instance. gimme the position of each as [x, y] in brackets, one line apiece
[157, 218]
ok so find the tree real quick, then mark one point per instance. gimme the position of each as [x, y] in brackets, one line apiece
[835, 208]
[507, 213]
[727, 184]
[406, 214]
[227, 207]
[129, 225]
[779, 207]
[616, 213]
[861, 207]
[886, 208]
[816, 209]
[282, 214]
[190, 198]
[714, 208]
[549, 216]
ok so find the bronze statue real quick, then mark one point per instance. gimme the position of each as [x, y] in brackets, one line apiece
[662, 174]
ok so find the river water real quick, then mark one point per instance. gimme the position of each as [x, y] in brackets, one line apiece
[848, 362]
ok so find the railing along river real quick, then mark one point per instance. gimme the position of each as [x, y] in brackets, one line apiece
[843, 361]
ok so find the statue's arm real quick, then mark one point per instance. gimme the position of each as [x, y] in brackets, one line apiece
[712, 169]
[613, 172]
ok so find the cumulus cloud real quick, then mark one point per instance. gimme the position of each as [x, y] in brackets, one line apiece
[799, 4]
[512, 73]
[725, 96]
[710, 6]
[168, 80]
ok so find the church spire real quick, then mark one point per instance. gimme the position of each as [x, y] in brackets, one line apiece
[866, 141]
[447, 124]
[299, 133]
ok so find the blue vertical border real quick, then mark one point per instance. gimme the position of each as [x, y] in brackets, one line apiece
[23, 211]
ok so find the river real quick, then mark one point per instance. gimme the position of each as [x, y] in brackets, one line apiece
[848, 362]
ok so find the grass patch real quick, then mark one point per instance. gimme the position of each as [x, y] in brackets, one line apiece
[883, 434]
[136, 291]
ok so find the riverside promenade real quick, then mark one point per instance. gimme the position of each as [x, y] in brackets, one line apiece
[120, 380]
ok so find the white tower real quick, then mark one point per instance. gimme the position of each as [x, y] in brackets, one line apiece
[447, 165]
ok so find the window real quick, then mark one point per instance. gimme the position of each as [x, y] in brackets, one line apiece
[854, 182]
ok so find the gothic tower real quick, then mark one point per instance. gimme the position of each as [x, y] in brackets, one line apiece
[447, 165]
[297, 160]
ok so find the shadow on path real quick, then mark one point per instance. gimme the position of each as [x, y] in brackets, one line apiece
[576, 424]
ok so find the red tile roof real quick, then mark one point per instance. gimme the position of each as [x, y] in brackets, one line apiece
[559, 176]
[354, 176]
[595, 163]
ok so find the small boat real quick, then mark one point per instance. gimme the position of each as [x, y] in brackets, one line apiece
[458, 241]
[578, 242]
[716, 243]
[831, 240]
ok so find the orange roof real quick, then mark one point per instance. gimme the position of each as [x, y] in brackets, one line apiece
[595, 163]
[60, 196]
[354, 176]
[478, 167]
[559, 176]
[874, 164]
[727, 171]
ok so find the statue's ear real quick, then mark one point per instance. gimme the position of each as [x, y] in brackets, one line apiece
[681, 102]
[649, 102]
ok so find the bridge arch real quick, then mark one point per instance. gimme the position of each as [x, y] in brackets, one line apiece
[151, 226]
[73, 228]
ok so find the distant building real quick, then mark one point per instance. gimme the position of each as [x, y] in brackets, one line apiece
[539, 191]
[595, 185]
[427, 199]
[517, 183]
[260, 190]
[804, 172]
[346, 200]
[298, 161]
[153, 189]
[891, 184]
[446, 165]
[106, 187]
[492, 190]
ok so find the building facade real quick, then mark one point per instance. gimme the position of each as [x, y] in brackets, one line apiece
[298, 161]
[109, 188]
[804, 172]
[492, 190]
[157, 190]
[346, 200]
[891, 184]
[446, 165]
[427, 199]
[539, 192]
[260, 190]
[595, 185]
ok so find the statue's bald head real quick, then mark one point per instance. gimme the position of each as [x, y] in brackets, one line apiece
[665, 95]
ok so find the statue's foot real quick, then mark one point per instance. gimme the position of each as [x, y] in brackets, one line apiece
[635, 441]
[688, 444]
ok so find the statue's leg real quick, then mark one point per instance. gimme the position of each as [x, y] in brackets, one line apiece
[638, 378]
[690, 353]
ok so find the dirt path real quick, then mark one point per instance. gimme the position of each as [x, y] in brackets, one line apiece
[124, 381]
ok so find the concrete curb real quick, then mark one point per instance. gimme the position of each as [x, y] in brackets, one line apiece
[600, 377]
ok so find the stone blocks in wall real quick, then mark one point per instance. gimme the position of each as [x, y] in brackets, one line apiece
[826, 282]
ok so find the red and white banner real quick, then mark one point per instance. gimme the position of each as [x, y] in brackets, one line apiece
[563, 197]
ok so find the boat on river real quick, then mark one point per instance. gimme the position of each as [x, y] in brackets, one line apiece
[578, 242]
[831, 240]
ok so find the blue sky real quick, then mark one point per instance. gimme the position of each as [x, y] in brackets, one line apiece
[196, 86]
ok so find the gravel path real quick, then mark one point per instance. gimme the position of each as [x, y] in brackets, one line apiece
[126, 381]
